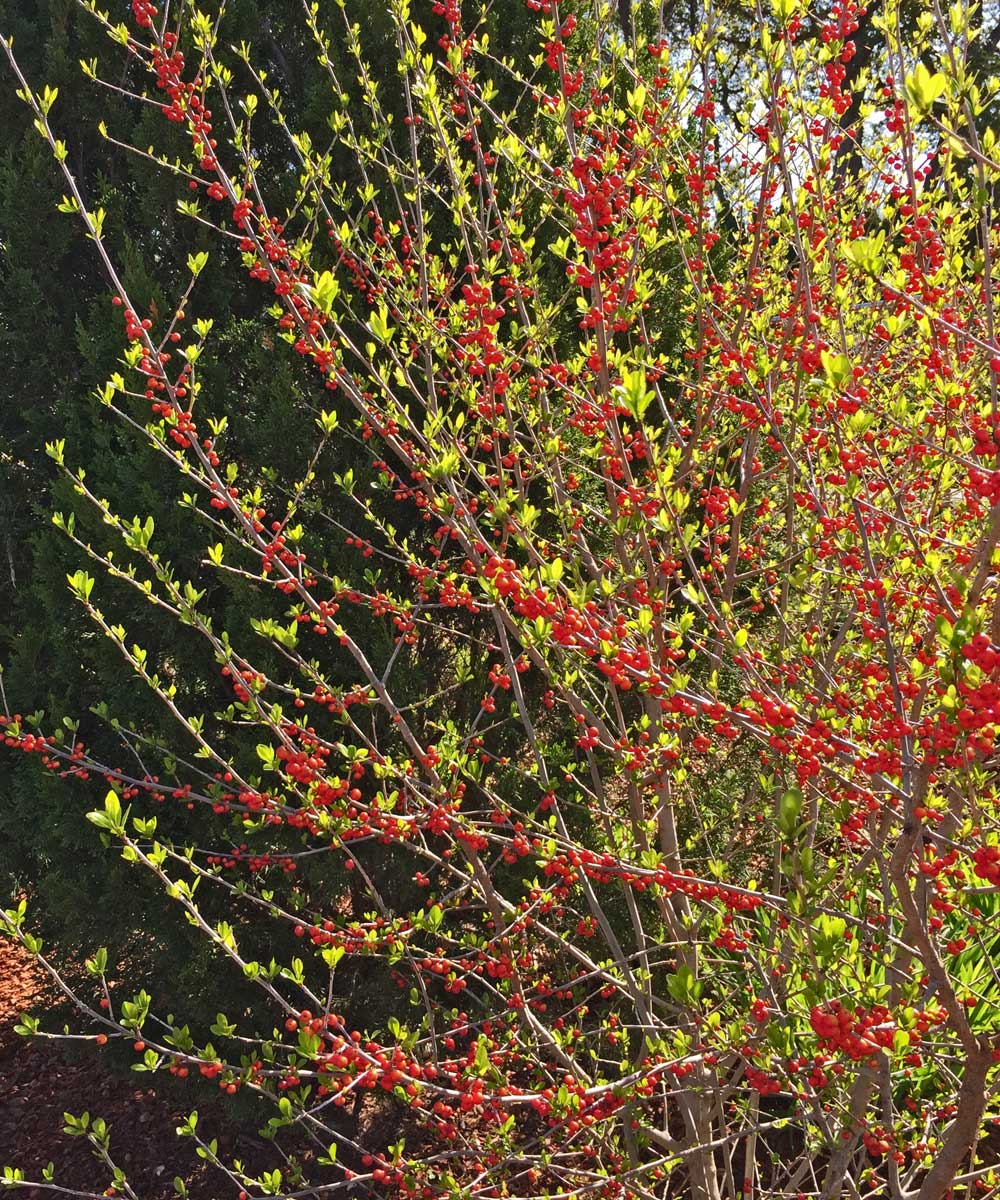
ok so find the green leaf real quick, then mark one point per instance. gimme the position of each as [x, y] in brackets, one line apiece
[682, 985]
[923, 88]
[866, 253]
[836, 367]
[81, 584]
[635, 393]
[789, 808]
[482, 1060]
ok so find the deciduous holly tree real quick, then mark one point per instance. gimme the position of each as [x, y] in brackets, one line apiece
[606, 803]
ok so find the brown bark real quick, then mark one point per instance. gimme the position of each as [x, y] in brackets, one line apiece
[964, 1130]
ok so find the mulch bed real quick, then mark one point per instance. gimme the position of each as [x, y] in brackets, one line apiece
[40, 1080]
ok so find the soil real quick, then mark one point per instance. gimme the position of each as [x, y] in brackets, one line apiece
[40, 1080]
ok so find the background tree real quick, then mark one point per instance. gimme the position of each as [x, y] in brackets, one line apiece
[52, 281]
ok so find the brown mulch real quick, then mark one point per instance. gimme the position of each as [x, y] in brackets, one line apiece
[40, 1080]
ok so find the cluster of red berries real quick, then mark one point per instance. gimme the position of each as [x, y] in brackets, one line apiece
[144, 12]
[859, 1035]
[986, 863]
